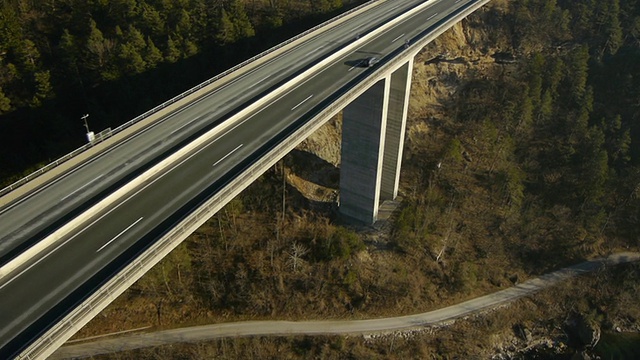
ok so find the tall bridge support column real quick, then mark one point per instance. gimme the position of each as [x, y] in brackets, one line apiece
[373, 128]
[363, 134]
[399, 93]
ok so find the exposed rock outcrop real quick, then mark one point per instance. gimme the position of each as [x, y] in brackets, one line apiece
[588, 331]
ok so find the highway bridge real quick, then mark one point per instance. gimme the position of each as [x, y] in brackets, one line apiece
[76, 237]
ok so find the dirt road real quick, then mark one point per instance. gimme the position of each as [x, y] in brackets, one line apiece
[262, 328]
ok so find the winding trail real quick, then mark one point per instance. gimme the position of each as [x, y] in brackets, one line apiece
[279, 328]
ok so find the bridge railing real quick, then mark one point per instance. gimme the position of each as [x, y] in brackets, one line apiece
[175, 99]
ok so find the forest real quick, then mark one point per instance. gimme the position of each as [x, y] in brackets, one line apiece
[115, 59]
[551, 144]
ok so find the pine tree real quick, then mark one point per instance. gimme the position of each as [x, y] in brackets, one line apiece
[546, 106]
[189, 48]
[585, 108]
[172, 53]
[635, 31]
[69, 54]
[618, 142]
[274, 17]
[10, 28]
[183, 24]
[578, 74]
[593, 171]
[44, 90]
[123, 11]
[525, 119]
[241, 24]
[68, 49]
[554, 76]
[612, 28]
[535, 72]
[98, 49]
[131, 50]
[583, 16]
[5, 103]
[225, 28]
[152, 54]
[27, 56]
[151, 21]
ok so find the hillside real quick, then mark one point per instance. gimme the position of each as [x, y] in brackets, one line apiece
[521, 156]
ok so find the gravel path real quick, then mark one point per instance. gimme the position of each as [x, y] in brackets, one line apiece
[262, 328]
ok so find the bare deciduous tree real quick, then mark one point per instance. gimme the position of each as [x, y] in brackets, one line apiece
[447, 238]
[296, 254]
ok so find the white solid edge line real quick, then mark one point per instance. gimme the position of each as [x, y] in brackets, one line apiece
[258, 82]
[398, 38]
[82, 187]
[314, 50]
[119, 234]
[226, 156]
[302, 102]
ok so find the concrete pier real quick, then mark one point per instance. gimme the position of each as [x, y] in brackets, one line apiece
[396, 125]
[363, 132]
[373, 129]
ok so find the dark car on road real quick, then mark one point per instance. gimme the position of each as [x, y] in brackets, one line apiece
[370, 61]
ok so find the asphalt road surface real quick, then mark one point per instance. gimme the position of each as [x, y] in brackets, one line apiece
[36, 295]
[264, 328]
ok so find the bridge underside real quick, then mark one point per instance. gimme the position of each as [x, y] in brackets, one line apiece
[372, 138]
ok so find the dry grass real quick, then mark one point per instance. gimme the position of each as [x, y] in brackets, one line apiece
[478, 337]
[251, 262]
